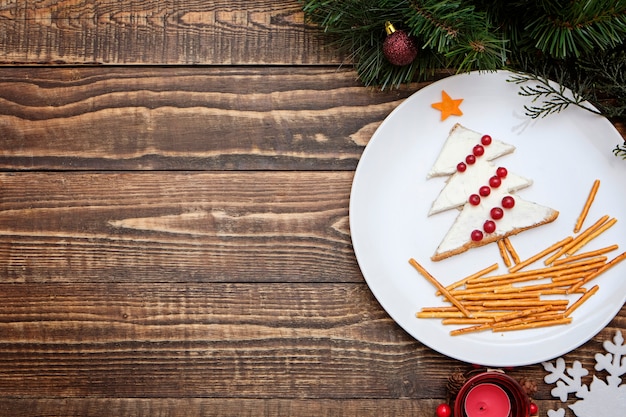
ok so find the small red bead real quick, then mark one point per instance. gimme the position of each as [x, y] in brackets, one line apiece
[534, 410]
[489, 226]
[497, 213]
[502, 172]
[478, 150]
[495, 181]
[484, 191]
[444, 410]
[470, 159]
[461, 167]
[474, 199]
[508, 202]
[477, 235]
[486, 140]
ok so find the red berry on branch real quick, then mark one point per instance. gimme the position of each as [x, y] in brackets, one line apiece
[486, 140]
[508, 202]
[470, 159]
[474, 199]
[477, 235]
[444, 410]
[502, 172]
[489, 226]
[461, 167]
[398, 47]
[478, 150]
[484, 191]
[496, 213]
[534, 410]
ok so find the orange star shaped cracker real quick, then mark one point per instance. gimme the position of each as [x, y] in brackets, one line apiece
[448, 106]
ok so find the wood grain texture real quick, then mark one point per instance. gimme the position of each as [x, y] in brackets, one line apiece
[174, 226]
[180, 226]
[219, 341]
[208, 407]
[187, 118]
[234, 32]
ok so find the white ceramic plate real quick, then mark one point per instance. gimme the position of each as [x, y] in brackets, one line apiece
[563, 154]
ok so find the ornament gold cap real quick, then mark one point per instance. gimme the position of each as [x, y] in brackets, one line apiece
[389, 28]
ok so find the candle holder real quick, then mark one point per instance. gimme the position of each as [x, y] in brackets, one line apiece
[484, 392]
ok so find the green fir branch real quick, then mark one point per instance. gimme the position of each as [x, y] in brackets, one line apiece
[552, 97]
[566, 28]
[620, 151]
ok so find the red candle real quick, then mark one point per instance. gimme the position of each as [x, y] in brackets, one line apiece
[487, 400]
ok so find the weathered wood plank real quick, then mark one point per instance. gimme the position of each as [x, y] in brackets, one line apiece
[160, 32]
[220, 340]
[176, 226]
[210, 407]
[187, 118]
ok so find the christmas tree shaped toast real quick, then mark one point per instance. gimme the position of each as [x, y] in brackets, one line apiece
[484, 192]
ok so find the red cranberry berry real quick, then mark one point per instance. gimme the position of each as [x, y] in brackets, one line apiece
[502, 172]
[461, 167]
[477, 235]
[496, 213]
[470, 159]
[486, 140]
[489, 226]
[534, 410]
[484, 191]
[478, 150]
[474, 199]
[495, 181]
[508, 202]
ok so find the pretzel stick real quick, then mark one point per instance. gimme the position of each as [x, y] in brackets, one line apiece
[527, 319]
[592, 236]
[491, 296]
[441, 288]
[593, 275]
[530, 275]
[456, 314]
[480, 290]
[538, 287]
[522, 313]
[509, 247]
[466, 321]
[476, 307]
[581, 300]
[503, 253]
[560, 291]
[524, 319]
[478, 274]
[577, 239]
[537, 324]
[585, 255]
[464, 330]
[525, 303]
[567, 277]
[541, 254]
[585, 211]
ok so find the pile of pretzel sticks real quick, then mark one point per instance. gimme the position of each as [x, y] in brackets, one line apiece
[526, 298]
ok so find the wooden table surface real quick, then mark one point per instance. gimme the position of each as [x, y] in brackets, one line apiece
[174, 234]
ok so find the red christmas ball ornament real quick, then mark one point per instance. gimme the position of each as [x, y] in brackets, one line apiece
[399, 48]
[534, 410]
[444, 410]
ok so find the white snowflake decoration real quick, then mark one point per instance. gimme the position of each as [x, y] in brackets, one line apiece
[600, 398]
